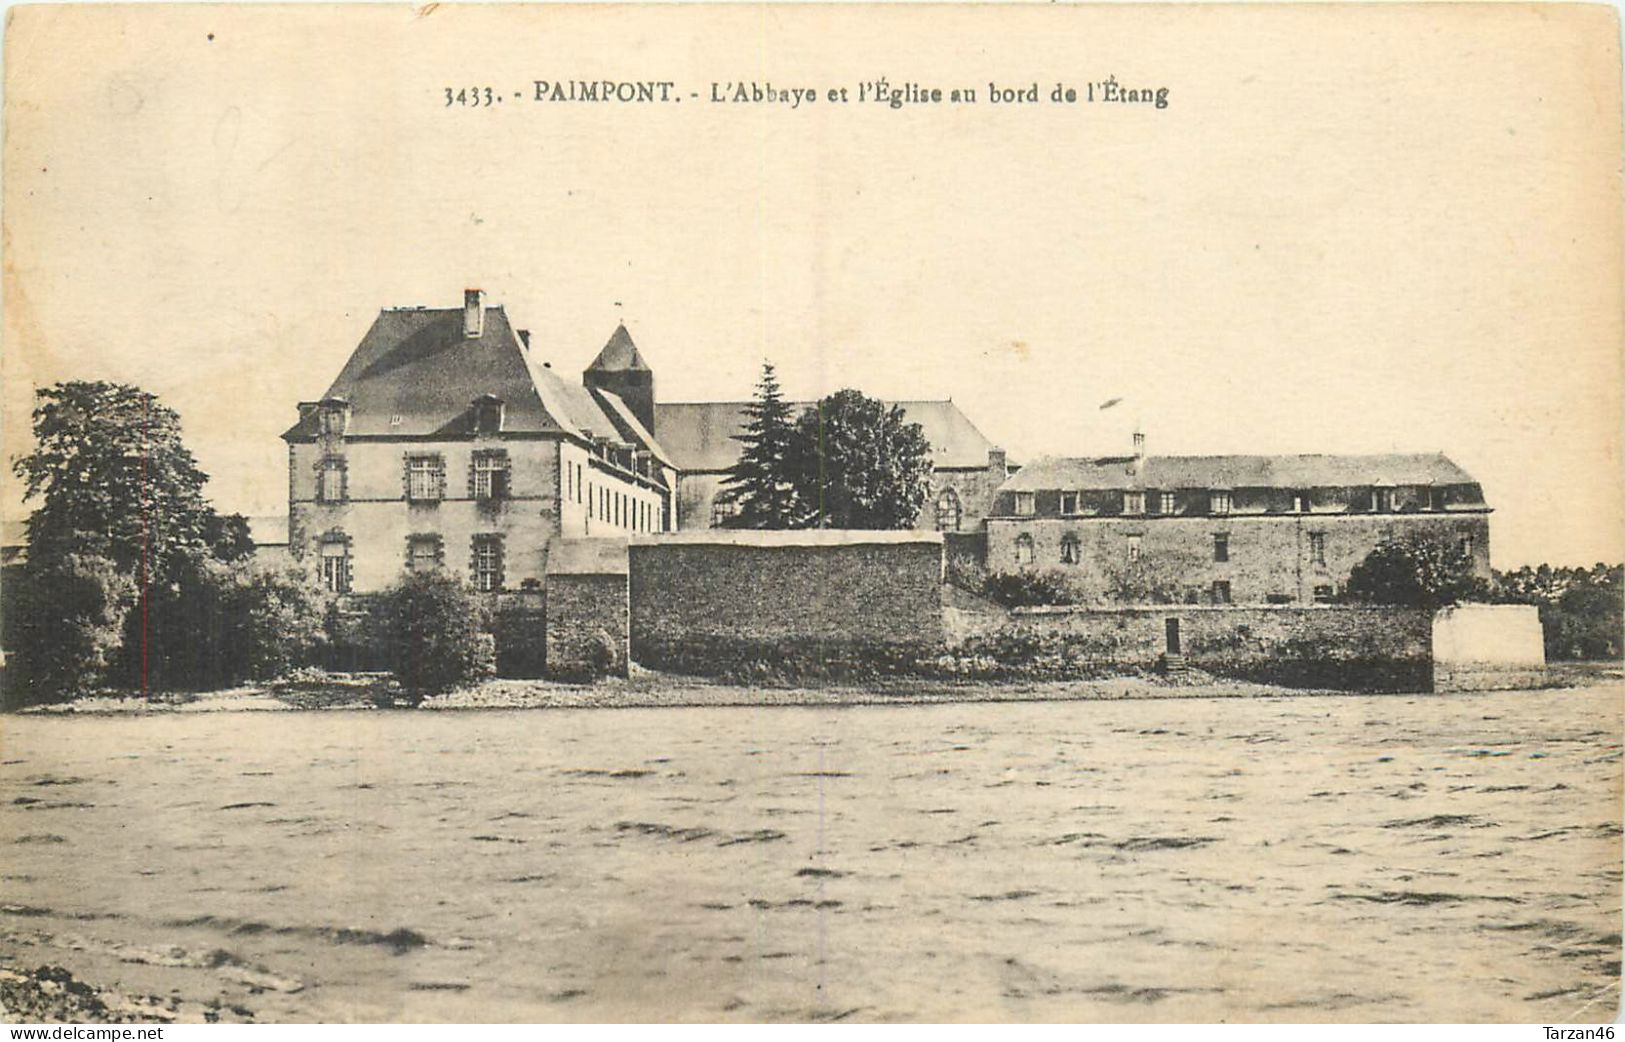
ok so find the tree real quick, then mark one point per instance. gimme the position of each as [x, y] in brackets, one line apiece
[70, 615]
[855, 462]
[1422, 571]
[1582, 610]
[113, 479]
[758, 485]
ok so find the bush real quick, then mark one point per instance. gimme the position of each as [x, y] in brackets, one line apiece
[70, 620]
[1030, 589]
[435, 634]
[274, 620]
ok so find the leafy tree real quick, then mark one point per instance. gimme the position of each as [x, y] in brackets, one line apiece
[114, 480]
[758, 484]
[228, 536]
[1582, 610]
[855, 462]
[435, 632]
[70, 616]
[1422, 571]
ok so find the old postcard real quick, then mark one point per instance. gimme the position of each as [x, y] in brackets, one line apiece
[800, 513]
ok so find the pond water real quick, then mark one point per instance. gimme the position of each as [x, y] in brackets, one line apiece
[1362, 858]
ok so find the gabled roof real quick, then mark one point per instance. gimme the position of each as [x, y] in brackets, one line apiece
[1291, 472]
[620, 354]
[700, 435]
[414, 374]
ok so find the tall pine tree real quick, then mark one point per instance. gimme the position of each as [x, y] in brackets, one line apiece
[758, 486]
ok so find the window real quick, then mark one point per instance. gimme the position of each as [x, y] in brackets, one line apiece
[488, 414]
[1324, 594]
[1024, 549]
[1466, 545]
[1134, 502]
[335, 564]
[490, 475]
[1435, 498]
[425, 479]
[1218, 502]
[1300, 502]
[1317, 548]
[1165, 503]
[1382, 500]
[334, 417]
[1069, 502]
[1025, 505]
[330, 483]
[1221, 592]
[1134, 542]
[422, 553]
[487, 565]
[948, 512]
[1221, 546]
[1070, 551]
[723, 511]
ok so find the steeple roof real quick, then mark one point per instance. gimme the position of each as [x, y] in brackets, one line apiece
[620, 354]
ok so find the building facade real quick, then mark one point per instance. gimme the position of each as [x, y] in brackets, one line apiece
[1226, 529]
[446, 443]
[967, 468]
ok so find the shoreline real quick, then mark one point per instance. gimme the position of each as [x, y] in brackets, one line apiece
[647, 690]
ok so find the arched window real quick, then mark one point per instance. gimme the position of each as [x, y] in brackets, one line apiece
[1024, 549]
[1071, 553]
[949, 513]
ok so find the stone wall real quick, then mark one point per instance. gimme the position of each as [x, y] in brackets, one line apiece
[825, 592]
[1482, 647]
[587, 632]
[1357, 648]
[1271, 558]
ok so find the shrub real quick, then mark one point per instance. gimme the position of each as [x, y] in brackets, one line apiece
[274, 619]
[71, 616]
[435, 634]
[1030, 589]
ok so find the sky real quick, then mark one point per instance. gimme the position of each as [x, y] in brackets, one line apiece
[1351, 230]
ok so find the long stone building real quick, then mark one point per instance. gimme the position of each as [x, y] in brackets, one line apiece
[1226, 529]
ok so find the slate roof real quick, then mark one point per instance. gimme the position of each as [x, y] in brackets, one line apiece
[414, 374]
[1290, 472]
[620, 354]
[699, 435]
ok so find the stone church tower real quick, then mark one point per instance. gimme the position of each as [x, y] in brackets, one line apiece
[620, 370]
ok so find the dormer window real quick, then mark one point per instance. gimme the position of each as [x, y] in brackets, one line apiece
[1167, 504]
[489, 412]
[1300, 502]
[1435, 497]
[1134, 502]
[333, 416]
[1069, 502]
[1026, 504]
[1218, 501]
[1382, 499]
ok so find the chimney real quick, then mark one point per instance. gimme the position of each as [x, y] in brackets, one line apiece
[1139, 445]
[998, 464]
[473, 314]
